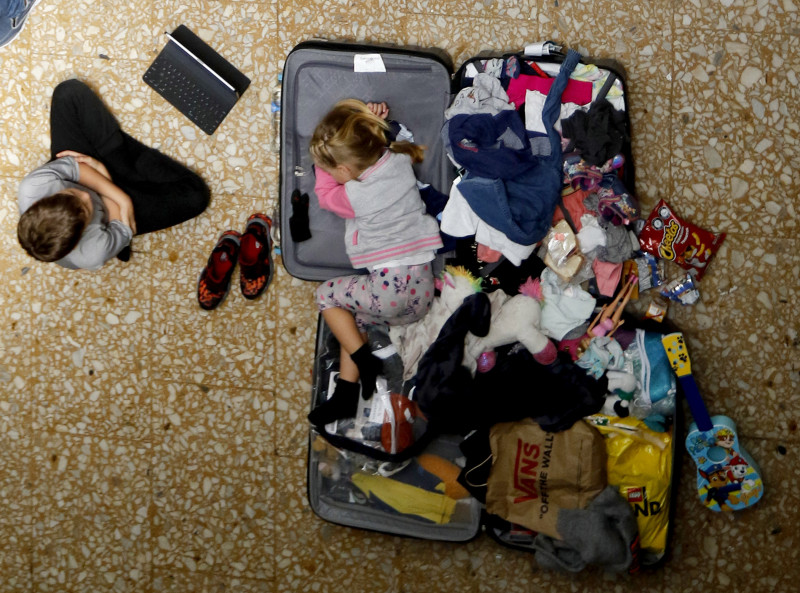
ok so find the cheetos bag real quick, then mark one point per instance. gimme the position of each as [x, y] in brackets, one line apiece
[536, 473]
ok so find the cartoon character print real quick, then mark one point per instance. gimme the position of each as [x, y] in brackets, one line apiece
[737, 469]
[349, 292]
[388, 290]
[726, 439]
[669, 237]
[330, 291]
[381, 282]
[737, 474]
[400, 286]
[401, 283]
[720, 488]
[699, 444]
[414, 297]
[697, 255]
[374, 305]
[333, 287]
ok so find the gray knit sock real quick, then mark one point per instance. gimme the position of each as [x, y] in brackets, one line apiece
[600, 534]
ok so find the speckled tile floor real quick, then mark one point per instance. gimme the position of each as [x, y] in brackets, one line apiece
[148, 446]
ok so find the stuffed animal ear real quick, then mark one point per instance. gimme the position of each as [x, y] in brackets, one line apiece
[447, 278]
[468, 277]
[532, 288]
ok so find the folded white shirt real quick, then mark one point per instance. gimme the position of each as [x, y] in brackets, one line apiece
[460, 220]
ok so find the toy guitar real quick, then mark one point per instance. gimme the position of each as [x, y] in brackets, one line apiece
[727, 477]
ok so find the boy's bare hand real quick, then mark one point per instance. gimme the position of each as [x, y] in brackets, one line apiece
[86, 159]
[379, 109]
[119, 211]
[130, 220]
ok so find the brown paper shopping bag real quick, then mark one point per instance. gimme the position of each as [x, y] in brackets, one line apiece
[535, 473]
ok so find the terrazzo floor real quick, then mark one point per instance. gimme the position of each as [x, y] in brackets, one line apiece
[146, 445]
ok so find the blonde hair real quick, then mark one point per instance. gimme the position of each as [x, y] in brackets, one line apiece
[351, 134]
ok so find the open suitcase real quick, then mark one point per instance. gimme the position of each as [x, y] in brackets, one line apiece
[419, 85]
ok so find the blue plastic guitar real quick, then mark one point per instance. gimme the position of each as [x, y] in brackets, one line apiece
[727, 477]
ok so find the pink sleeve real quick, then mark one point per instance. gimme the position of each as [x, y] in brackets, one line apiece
[332, 195]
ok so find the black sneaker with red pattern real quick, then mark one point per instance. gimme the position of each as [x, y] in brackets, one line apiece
[255, 258]
[215, 279]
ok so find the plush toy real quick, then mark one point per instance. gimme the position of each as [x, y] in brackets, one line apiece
[514, 319]
[412, 340]
[621, 387]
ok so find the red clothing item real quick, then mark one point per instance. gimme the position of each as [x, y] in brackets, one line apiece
[574, 205]
[488, 254]
[577, 91]
[607, 276]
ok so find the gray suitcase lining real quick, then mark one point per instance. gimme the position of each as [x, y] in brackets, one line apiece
[417, 89]
[325, 495]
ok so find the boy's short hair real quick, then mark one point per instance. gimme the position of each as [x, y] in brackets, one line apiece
[52, 227]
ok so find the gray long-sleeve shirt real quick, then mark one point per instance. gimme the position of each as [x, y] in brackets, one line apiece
[101, 240]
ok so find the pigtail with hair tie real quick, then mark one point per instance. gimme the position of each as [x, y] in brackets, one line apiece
[415, 151]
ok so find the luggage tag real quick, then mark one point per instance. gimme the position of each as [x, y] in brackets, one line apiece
[368, 63]
[544, 48]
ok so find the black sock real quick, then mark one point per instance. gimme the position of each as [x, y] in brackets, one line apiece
[125, 254]
[369, 367]
[342, 404]
[298, 222]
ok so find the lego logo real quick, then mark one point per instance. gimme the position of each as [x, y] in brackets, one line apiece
[635, 495]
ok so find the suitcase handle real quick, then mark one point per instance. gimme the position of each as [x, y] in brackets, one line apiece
[342, 442]
[543, 48]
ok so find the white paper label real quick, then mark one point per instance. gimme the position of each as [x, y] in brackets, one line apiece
[471, 71]
[368, 63]
[537, 49]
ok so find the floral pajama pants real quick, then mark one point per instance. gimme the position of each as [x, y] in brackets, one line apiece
[387, 296]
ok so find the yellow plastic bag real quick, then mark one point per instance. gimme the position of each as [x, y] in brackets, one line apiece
[640, 466]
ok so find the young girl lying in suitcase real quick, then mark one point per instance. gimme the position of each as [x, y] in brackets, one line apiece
[371, 184]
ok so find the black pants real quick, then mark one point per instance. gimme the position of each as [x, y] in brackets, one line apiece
[164, 193]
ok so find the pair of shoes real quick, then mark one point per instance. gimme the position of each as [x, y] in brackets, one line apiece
[13, 18]
[252, 250]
